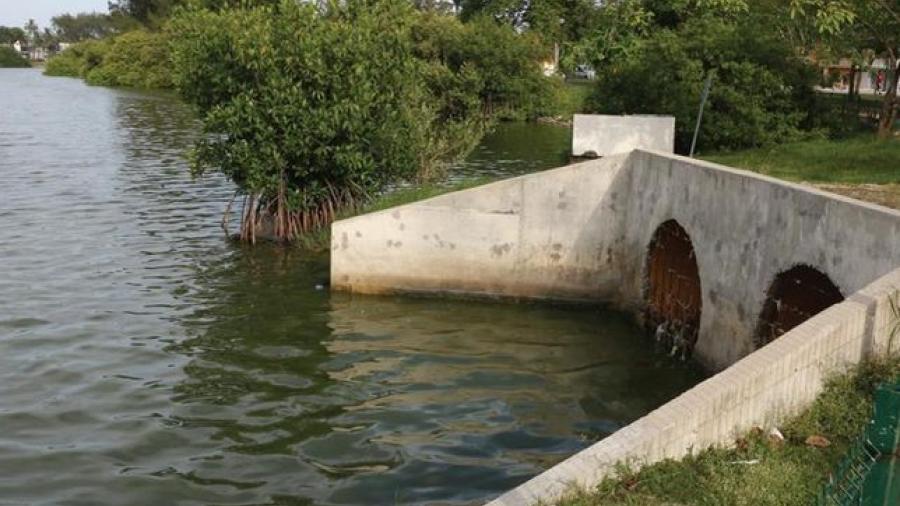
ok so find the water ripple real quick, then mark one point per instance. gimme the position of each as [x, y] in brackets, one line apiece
[146, 360]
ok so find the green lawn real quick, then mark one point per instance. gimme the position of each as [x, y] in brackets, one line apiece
[862, 159]
[756, 472]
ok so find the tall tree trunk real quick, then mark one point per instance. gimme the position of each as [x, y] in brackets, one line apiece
[889, 105]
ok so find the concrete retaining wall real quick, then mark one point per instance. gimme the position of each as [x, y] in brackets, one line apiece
[762, 389]
[604, 135]
[582, 232]
[745, 229]
[546, 235]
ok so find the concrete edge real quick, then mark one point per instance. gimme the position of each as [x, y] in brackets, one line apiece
[773, 180]
[534, 175]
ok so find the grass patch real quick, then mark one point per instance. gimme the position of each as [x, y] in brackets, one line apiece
[756, 472]
[860, 159]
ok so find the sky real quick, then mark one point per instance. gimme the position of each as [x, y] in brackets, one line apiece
[17, 12]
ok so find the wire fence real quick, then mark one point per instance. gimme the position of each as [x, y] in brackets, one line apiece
[867, 475]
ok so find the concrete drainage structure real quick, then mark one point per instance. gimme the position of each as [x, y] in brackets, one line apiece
[747, 272]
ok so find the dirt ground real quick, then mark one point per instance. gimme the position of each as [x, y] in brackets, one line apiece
[884, 194]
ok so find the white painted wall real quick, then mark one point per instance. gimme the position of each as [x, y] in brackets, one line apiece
[549, 235]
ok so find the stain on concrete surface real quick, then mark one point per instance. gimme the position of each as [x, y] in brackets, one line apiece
[498, 250]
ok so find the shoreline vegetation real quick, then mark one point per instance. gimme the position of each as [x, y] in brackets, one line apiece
[309, 108]
[758, 470]
[10, 59]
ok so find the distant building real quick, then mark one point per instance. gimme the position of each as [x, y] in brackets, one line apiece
[837, 76]
[31, 53]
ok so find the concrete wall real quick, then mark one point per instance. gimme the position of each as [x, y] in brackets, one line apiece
[608, 135]
[582, 232]
[745, 229]
[546, 235]
[762, 389]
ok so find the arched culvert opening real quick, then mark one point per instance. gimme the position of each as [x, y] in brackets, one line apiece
[795, 296]
[673, 296]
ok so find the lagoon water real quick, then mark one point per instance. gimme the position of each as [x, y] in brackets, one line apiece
[144, 359]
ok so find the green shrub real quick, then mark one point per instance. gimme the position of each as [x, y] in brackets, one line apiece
[79, 59]
[759, 95]
[501, 64]
[64, 64]
[309, 112]
[9, 58]
[137, 59]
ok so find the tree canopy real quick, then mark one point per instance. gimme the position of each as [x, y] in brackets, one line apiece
[861, 25]
[309, 110]
[10, 34]
[88, 25]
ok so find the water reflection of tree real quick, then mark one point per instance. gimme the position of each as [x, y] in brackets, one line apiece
[362, 398]
[256, 350]
[480, 396]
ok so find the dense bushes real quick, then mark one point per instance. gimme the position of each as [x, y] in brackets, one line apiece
[9, 58]
[139, 59]
[502, 63]
[312, 107]
[310, 112]
[70, 62]
[760, 95]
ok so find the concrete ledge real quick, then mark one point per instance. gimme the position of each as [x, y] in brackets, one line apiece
[604, 135]
[883, 299]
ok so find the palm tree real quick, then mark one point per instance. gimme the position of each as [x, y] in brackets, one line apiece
[32, 30]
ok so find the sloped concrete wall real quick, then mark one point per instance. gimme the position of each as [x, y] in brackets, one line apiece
[605, 135]
[549, 235]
